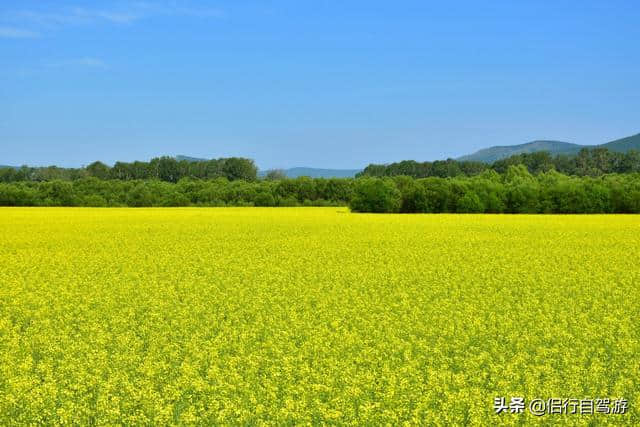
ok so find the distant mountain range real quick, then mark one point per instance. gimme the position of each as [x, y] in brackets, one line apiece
[317, 173]
[486, 155]
[190, 159]
[491, 154]
[296, 172]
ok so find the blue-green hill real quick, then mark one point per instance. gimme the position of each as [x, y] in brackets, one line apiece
[623, 145]
[491, 154]
[318, 173]
[296, 172]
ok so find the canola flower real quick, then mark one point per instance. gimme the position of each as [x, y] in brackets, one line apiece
[312, 316]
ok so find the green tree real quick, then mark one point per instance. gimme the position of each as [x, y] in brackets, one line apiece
[275, 175]
[239, 168]
[375, 195]
[167, 169]
[470, 203]
[264, 198]
[98, 170]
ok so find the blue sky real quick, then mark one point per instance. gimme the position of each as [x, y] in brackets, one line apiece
[322, 83]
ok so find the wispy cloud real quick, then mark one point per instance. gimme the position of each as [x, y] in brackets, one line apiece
[121, 14]
[117, 17]
[76, 16]
[17, 33]
[87, 61]
[90, 62]
[173, 9]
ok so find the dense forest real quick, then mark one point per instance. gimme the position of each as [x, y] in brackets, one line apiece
[165, 168]
[588, 162]
[595, 181]
[515, 191]
[186, 192]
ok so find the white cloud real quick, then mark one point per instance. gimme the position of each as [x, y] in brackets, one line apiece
[16, 33]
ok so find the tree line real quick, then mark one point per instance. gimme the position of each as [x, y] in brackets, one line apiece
[94, 192]
[588, 162]
[514, 191]
[594, 181]
[164, 168]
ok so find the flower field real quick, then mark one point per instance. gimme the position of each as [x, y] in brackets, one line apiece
[313, 315]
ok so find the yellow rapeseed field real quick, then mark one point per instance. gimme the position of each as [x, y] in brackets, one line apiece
[313, 315]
